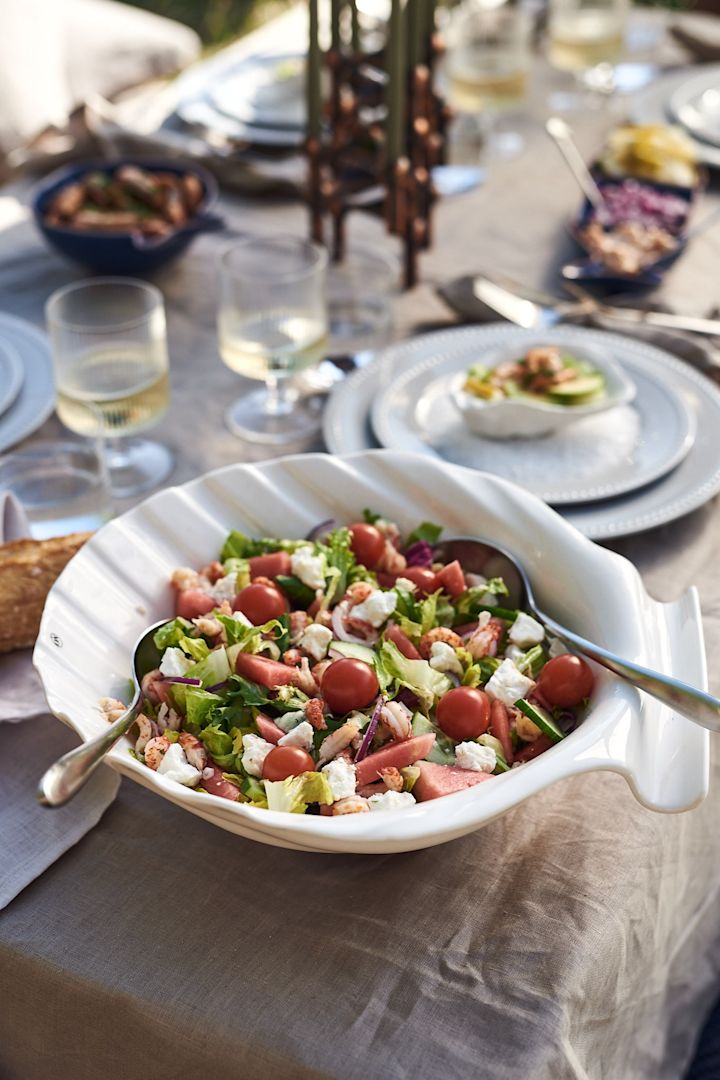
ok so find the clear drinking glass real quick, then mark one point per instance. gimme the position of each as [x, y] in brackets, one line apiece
[272, 324]
[586, 38]
[62, 486]
[111, 370]
[488, 60]
[359, 291]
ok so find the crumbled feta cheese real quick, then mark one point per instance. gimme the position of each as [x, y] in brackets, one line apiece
[301, 736]
[471, 755]
[175, 663]
[391, 800]
[175, 766]
[225, 588]
[255, 750]
[556, 648]
[289, 720]
[316, 641]
[342, 778]
[377, 609]
[514, 653]
[526, 631]
[444, 658]
[507, 684]
[308, 567]
[405, 584]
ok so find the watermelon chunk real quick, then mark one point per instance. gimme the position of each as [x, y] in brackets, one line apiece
[266, 672]
[268, 728]
[398, 754]
[437, 780]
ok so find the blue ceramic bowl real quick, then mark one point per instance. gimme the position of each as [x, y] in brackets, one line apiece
[122, 252]
[591, 271]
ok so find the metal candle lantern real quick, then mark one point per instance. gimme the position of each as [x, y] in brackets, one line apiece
[373, 144]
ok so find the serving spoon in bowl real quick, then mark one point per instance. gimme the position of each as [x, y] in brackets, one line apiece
[481, 557]
[70, 772]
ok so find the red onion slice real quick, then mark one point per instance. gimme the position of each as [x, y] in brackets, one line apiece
[321, 530]
[419, 554]
[181, 679]
[218, 686]
[371, 729]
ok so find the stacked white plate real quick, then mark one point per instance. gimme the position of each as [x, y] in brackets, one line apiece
[619, 472]
[692, 101]
[27, 391]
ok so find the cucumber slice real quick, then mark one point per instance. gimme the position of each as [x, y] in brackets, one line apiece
[541, 718]
[355, 652]
[577, 391]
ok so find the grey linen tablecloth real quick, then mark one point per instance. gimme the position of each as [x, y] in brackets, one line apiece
[577, 937]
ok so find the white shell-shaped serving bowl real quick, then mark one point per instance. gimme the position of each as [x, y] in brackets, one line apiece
[118, 584]
[523, 417]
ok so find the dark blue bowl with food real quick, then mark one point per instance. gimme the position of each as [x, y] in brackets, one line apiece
[126, 217]
[635, 236]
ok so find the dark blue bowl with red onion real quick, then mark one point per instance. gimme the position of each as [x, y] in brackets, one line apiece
[633, 239]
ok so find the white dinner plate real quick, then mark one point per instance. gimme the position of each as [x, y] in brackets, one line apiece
[267, 91]
[696, 105]
[36, 399]
[652, 106]
[598, 457]
[11, 375]
[696, 479]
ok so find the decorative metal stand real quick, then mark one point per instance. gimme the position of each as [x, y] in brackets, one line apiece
[373, 150]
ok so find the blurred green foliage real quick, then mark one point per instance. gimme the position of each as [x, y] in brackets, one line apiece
[216, 21]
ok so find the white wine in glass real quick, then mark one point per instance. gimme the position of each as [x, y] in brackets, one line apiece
[272, 324]
[587, 38]
[109, 348]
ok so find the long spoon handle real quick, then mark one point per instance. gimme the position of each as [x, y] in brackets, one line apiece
[70, 772]
[694, 704]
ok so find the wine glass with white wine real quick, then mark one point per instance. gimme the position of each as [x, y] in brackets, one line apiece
[110, 354]
[487, 65]
[272, 324]
[587, 39]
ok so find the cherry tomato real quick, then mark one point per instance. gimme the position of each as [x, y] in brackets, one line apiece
[368, 544]
[277, 562]
[425, 579]
[349, 684]
[403, 642]
[192, 603]
[286, 761]
[464, 713]
[260, 603]
[452, 579]
[565, 681]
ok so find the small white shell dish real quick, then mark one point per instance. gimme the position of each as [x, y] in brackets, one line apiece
[119, 583]
[526, 417]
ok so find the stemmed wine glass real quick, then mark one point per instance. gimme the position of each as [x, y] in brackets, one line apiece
[272, 324]
[110, 354]
[586, 38]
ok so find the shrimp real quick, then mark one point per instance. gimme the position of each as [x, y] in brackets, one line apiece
[147, 730]
[392, 779]
[323, 617]
[299, 621]
[319, 670]
[352, 804]
[213, 572]
[154, 687]
[112, 708]
[210, 627]
[156, 749]
[292, 657]
[315, 713]
[305, 680]
[195, 752]
[391, 560]
[337, 741]
[359, 592]
[438, 633]
[396, 718]
[484, 640]
[184, 578]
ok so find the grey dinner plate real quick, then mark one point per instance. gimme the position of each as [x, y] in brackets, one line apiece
[696, 479]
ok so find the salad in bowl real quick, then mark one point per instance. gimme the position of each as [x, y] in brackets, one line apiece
[348, 673]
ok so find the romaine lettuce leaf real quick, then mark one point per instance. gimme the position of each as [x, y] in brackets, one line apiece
[219, 746]
[395, 671]
[427, 531]
[240, 546]
[171, 633]
[199, 706]
[293, 794]
[197, 648]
